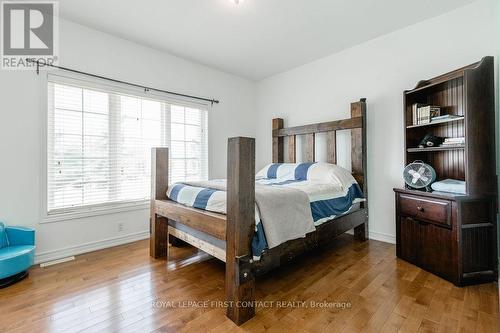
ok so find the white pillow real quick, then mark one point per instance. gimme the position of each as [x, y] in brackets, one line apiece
[319, 171]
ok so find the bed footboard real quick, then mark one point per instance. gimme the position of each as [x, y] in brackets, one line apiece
[236, 228]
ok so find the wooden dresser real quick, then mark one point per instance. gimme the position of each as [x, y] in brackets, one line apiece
[453, 236]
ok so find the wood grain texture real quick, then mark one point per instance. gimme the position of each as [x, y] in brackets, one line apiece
[431, 210]
[324, 234]
[480, 127]
[114, 290]
[331, 147]
[310, 148]
[198, 243]
[359, 161]
[159, 185]
[211, 223]
[292, 149]
[240, 282]
[435, 251]
[357, 141]
[278, 144]
[349, 123]
[443, 237]
[158, 236]
[159, 173]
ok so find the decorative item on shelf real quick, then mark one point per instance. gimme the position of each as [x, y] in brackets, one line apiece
[419, 175]
[430, 141]
[425, 113]
[449, 186]
[460, 141]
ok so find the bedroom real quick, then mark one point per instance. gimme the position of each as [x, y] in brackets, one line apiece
[303, 62]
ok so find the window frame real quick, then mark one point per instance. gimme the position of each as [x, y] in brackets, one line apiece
[81, 80]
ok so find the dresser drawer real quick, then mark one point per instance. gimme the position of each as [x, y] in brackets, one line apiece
[432, 210]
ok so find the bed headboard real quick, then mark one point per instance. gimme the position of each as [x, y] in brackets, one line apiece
[357, 125]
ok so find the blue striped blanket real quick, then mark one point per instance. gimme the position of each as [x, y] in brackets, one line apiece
[329, 196]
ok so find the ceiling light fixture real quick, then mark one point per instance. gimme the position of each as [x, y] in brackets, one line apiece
[237, 2]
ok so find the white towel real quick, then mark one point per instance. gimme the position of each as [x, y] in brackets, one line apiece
[449, 185]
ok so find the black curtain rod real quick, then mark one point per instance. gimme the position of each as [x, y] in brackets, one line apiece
[146, 89]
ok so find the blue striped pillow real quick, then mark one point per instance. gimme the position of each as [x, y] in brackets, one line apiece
[317, 171]
[285, 171]
[4, 242]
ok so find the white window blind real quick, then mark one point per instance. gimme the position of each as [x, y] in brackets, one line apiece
[99, 141]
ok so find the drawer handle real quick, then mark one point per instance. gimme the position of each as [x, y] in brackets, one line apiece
[420, 209]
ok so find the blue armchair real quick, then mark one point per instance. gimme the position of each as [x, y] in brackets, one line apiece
[17, 253]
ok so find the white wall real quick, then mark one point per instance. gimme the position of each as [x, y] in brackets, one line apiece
[92, 51]
[379, 70]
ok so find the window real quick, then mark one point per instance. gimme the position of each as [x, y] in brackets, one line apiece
[99, 141]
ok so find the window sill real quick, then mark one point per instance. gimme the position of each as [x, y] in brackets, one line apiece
[95, 211]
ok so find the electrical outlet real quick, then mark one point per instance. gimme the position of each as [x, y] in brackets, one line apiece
[120, 227]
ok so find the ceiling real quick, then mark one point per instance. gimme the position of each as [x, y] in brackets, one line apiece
[258, 38]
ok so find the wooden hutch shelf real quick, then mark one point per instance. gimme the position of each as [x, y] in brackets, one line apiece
[429, 149]
[453, 235]
[436, 122]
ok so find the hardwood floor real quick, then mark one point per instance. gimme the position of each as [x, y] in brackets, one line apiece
[116, 289]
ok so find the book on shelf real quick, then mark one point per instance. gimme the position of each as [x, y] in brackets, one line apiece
[414, 112]
[425, 113]
[422, 114]
[453, 141]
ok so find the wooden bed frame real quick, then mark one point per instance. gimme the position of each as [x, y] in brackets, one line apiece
[236, 229]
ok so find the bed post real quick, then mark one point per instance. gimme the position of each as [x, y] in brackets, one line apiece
[158, 241]
[358, 160]
[240, 281]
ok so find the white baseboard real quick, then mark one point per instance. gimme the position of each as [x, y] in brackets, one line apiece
[382, 237]
[110, 242]
[378, 236]
[89, 247]
[56, 262]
